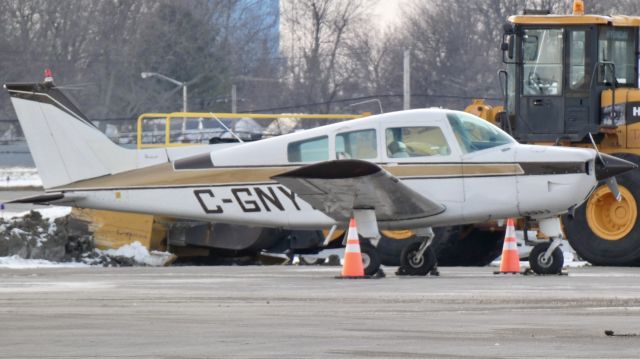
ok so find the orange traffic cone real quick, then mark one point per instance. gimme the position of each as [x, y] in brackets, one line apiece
[352, 267]
[510, 261]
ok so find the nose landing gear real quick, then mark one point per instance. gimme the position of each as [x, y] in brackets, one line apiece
[547, 258]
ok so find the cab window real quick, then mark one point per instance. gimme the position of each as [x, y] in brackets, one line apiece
[356, 144]
[475, 134]
[416, 142]
[542, 51]
[314, 149]
[617, 46]
[577, 60]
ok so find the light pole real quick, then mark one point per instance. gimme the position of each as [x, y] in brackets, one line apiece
[146, 75]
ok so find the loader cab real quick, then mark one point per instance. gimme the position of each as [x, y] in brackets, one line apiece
[557, 69]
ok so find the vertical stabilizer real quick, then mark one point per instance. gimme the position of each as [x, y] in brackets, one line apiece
[64, 144]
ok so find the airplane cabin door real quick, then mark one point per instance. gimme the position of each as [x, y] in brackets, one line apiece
[488, 168]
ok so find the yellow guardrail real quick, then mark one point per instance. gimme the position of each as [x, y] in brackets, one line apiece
[168, 117]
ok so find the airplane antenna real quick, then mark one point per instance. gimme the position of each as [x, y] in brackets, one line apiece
[226, 128]
[595, 147]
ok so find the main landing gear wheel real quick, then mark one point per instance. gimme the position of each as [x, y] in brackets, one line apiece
[392, 243]
[414, 264]
[541, 265]
[370, 259]
[604, 231]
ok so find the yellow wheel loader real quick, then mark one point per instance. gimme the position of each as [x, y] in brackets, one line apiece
[572, 80]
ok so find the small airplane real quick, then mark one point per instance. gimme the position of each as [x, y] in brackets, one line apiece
[413, 169]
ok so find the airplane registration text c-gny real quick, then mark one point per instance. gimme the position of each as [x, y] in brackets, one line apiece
[248, 199]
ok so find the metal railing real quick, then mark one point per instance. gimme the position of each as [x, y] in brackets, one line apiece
[155, 130]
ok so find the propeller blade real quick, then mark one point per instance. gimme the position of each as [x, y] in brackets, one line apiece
[613, 187]
[593, 142]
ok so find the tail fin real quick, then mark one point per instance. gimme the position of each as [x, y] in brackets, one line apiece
[64, 144]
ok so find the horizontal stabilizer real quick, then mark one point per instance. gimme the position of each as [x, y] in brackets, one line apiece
[338, 187]
[40, 199]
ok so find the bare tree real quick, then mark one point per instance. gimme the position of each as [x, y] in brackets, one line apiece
[317, 37]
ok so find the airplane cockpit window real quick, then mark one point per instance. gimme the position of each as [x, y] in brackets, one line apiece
[356, 144]
[475, 134]
[416, 142]
[311, 150]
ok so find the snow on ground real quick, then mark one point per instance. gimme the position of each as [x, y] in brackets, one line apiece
[11, 177]
[16, 262]
[139, 253]
[50, 213]
[135, 251]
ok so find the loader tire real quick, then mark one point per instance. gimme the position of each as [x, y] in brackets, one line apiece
[467, 245]
[453, 246]
[604, 231]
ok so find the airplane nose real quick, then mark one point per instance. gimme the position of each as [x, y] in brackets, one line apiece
[611, 166]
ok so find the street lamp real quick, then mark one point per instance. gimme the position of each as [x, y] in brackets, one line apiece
[146, 75]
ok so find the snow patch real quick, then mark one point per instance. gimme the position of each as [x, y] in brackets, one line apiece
[139, 253]
[17, 231]
[17, 262]
[50, 213]
[19, 177]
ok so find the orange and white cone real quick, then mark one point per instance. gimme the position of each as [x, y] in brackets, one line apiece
[510, 261]
[352, 267]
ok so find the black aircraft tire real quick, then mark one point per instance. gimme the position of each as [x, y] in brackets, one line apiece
[552, 266]
[590, 246]
[467, 245]
[390, 249]
[311, 261]
[422, 267]
[370, 259]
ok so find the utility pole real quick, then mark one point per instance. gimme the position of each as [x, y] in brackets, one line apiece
[234, 99]
[184, 97]
[407, 80]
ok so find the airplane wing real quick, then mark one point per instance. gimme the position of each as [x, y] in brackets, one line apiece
[338, 187]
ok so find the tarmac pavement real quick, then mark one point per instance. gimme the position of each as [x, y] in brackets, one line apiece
[303, 312]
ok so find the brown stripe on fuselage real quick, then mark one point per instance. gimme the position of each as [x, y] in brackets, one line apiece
[455, 170]
[164, 175]
[492, 169]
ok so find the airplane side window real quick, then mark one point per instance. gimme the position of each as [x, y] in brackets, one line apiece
[416, 142]
[311, 150]
[356, 144]
[475, 134]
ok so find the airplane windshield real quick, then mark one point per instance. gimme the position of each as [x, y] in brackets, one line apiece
[475, 134]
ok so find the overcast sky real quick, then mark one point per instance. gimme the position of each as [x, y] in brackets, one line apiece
[389, 11]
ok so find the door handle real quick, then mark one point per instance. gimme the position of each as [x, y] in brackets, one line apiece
[537, 102]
